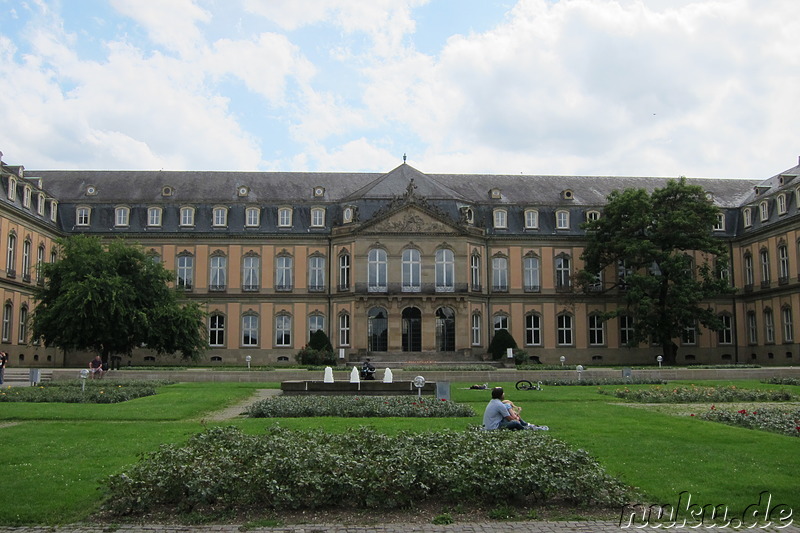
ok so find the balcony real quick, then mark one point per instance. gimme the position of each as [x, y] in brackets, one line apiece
[216, 287]
[316, 288]
[399, 288]
[284, 287]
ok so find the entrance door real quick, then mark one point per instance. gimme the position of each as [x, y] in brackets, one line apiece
[412, 330]
[377, 330]
[445, 329]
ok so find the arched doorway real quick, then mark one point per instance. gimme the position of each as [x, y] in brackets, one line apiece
[445, 329]
[412, 330]
[377, 330]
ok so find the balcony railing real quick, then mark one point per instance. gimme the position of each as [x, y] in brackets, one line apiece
[316, 288]
[284, 287]
[216, 288]
[399, 288]
[250, 288]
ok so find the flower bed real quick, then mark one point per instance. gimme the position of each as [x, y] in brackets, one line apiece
[95, 391]
[223, 470]
[694, 394]
[356, 406]
[785, 421]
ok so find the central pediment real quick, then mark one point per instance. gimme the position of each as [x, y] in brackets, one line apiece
[410, 219]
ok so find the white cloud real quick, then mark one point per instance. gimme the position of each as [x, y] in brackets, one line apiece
[170, 23]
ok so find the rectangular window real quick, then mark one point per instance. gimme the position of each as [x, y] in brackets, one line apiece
[316, 274]
[7, 311]
[763, 209]
[531, 219]
[250, 330]
[283, 330]
[283, 273]
[185, 272]
[533, 330]
[725, 334]
[765, 277]
[752, 328]
[769, 327]
[344, 272]
[783, 263]
[284, 217]
[625, 330]
[53, 210]
[475, 272]
[187, 216]
[317, 217]
[122, 216]
[216, 330]
[500, 274]
[500, 322]
[564, 330]
[82, 216]
[26, 197]
[747, 215]
[23, 326]
[252, 217]
[476, 329]
[563, 272]
[344, 329]
[788, 333]
[748, 271]
[530, 266]
[154, 216]
[500, 218]
[720, 224]
[40, 204]
[218, 273]
[562, 219]
[315, 323]
[689, 337]
[220, 217]
[251, 267]
[597, 333]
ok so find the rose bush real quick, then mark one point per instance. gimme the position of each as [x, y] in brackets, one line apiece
[356, 406]
[95, 391]
[695, 394]
[223, 470]
[776, 420]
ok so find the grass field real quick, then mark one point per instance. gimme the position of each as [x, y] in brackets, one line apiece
[54, 456]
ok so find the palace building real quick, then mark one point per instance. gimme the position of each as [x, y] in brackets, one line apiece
[397, 266]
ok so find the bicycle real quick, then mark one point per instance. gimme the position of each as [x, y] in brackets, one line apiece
[524, 384]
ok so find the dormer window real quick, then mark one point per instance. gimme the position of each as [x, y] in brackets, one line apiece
[348, 215]
[220, 217]
[252, 217]
[562, 219]
[91, 190]
[83, 216]
[285, 217]
[317, 217]
[319, 192]
[467, 215]
[531, 219]
[566, 194]
[500, 219]
[26, 197]
[154, 217]
[167, 191]
[243, 190]
[40, 204]
[53, 210]
[12, 188]
[495, 194]
[187, 216]
[747, 216]
[720, 224]
[781, 203]
[591, 216]
[121, 216]
[763, 210]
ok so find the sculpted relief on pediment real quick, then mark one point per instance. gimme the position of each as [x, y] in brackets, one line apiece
[411, 221]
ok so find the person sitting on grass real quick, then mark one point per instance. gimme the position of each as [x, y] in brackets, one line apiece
[96, 367]
[514, 412]
[496, 415]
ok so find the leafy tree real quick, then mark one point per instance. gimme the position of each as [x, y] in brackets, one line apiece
[112, 299]
[655, 240]
[319, 341]
[501, 341]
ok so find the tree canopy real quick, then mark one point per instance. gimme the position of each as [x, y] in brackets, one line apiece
[111, 299]
[667, 262]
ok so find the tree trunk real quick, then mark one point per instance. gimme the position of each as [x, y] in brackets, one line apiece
[670, 352]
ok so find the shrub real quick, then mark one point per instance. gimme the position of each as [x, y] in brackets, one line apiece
[501, 341]
[356, 406]
[785, 421]
[309, 356]
[223, 470]
[696, 394]
[94, 391]
[319, 341]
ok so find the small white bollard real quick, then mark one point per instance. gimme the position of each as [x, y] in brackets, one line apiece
[354, 378]
[341, 353]
[387, 375]
[328, 375]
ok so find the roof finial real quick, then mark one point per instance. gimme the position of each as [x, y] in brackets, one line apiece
[404, 159]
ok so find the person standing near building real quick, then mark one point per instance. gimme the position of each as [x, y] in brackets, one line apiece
[3, 363]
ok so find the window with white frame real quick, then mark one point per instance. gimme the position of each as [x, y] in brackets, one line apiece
[283, 273]
[251, 272]
[53, 210]
[11, 255]
[500, 219]
[39, 263]
[749, 277]
[747, 216]
[22, 333]
[26, 197]
[12, 188]
[316, 322]
[216, 330]
[184, 272]
[284, 217]
[533, 329]
[316, 273]
[562, 219]
[763, 210]
[591, 216]
[563, 272]
[725, 333]
[500, 322]
[531, 219]
[250, 330]
[40, 201]
[8, 312]
[564, 329]
[411, 270]
[445, 270]
[765, 275]
[788, 329]
[626, 330]
[154, 217]
[26, 260]
[283, 330]
[317, 217]
[769, 327]
[500, 274]
[252, 217]
[122, 216]
[219, 217]
[752, 328]
[344, 271]
[783, 263]
[187, 216]
[597, 331]
[475, 271]
[82, 216]
[531, 272]
[218, 272]
[719, 225]
[689, 337]
[376, 270]
[476, 329]
[780, 202]
[344, 329]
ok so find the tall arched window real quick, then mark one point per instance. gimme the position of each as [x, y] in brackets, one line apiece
[445, 270]
[377, 330]
[344, 271]
[376, 270]
[500, 274]
[412, 329]
[411, 270]
[531, 273]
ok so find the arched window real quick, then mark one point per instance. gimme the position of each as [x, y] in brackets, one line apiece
[411, 270]
[445, 270]
[317, 217]
[82, 216]
[154, 216]
[187, 216]
[531, 219]
[219, 217]
[122, 215]
[412, 329]
[284, 217]
[252, 217]
[376, 270]
[562, 219]
[500, 218]
[216, 330]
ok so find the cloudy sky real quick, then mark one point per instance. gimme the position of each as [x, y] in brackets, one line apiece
[588, 87]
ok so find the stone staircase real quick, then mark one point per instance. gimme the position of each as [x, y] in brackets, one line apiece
[406, 359]
[17, 376]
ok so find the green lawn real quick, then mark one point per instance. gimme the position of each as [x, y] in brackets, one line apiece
[54, 455]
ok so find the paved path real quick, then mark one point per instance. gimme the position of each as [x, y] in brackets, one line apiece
[237, 410]
[481, 527]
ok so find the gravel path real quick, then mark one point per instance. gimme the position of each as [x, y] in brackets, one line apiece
[235, 411]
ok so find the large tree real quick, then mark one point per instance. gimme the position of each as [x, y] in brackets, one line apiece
[667, 262]
[113, 298]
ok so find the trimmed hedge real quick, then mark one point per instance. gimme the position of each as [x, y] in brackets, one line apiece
[356, 406]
